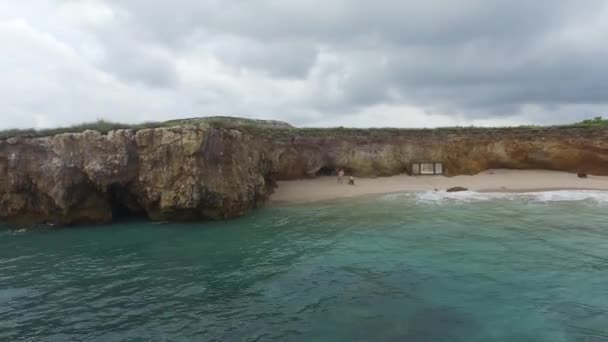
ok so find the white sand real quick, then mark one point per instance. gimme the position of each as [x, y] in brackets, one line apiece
[327, 188]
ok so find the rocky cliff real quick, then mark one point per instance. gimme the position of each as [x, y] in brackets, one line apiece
[462, 151]
[164, 174]
[204, 172]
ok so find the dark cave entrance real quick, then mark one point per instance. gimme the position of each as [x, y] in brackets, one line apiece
[330, 171]
[326, 171]
[123, 203]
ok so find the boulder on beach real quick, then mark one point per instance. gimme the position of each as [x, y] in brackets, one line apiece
[457, 189]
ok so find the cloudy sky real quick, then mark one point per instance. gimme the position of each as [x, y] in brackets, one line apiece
[310, 62]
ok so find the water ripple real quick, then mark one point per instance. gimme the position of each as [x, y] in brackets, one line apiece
[502, 268]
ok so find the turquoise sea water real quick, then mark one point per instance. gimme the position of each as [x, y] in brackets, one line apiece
[425, 267]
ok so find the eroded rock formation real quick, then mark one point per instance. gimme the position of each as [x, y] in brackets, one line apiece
[466, 151]
[192, 173]
[165, 174]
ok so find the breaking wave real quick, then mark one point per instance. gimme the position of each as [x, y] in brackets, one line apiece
[471, 196]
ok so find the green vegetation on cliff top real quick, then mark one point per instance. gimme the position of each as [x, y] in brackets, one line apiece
[274, 127]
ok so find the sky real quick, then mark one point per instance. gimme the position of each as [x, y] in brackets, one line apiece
[352, 63]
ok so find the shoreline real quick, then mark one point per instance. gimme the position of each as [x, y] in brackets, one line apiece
[326, 189]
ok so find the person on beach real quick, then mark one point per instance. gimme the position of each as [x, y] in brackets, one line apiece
[340, 176]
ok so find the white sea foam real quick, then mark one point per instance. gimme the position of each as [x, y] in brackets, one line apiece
[471, 196]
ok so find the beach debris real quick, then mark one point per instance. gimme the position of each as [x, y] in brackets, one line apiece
[457, 189]
[582, 175]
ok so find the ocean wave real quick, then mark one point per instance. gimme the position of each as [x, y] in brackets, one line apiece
[471, 196]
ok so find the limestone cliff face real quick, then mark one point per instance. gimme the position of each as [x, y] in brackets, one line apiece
[194, 173]
[166, 174]
[468, 151]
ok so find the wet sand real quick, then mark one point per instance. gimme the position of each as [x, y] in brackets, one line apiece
[327, 188]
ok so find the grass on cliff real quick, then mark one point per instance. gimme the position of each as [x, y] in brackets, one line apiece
[270, 128]
[101, 126]
[104, 126]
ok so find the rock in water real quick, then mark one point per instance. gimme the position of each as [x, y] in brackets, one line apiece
[457, 189]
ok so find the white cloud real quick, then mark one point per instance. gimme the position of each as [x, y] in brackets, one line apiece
[88, 13]
[404, 116]
[344, 63]
[47, 83]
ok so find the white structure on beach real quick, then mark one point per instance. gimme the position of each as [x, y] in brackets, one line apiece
[427, 168]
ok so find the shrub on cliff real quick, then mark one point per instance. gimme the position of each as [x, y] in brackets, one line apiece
[596, 121]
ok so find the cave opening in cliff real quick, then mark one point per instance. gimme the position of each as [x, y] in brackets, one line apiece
[123, 203]
[332, 171]
[325, 171]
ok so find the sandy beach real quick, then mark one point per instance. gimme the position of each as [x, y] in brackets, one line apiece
[327, 188]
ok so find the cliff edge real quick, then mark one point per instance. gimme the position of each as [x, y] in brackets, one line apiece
[195, 172]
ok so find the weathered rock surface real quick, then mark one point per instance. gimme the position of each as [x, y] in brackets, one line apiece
[467, 151]
[193, 173]
[166, 174]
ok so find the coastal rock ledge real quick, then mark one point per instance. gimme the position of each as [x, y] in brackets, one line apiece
[195, 173]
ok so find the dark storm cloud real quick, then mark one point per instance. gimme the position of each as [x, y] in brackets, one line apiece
[428, 22]
[473, 55]
[317, 61]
